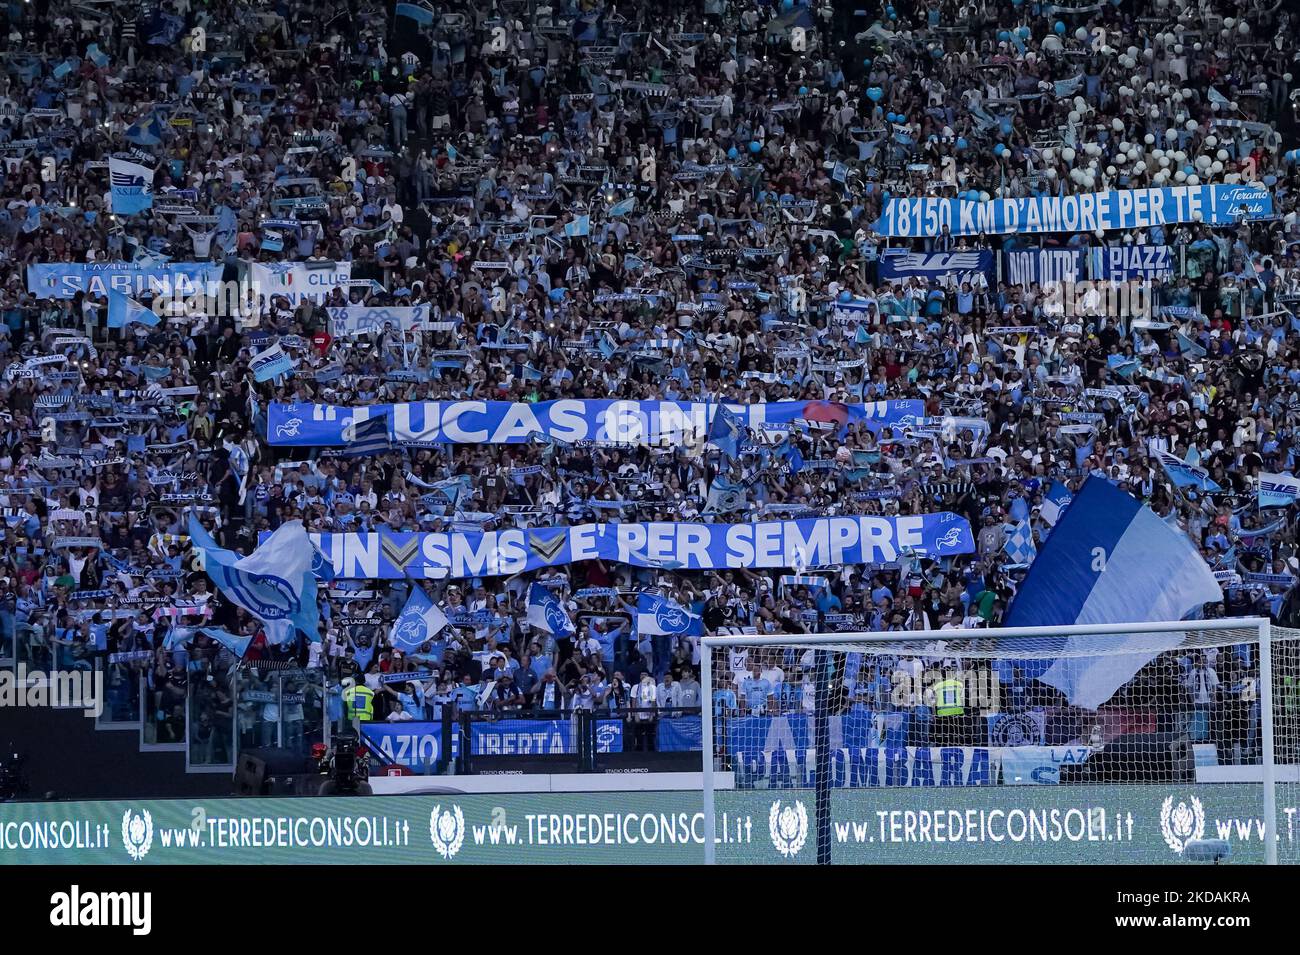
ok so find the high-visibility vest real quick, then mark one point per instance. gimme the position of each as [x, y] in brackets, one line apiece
[360, 703]
[949, 698]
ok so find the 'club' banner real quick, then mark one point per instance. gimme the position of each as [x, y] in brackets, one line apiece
[811, 542]
[925, 217]
[297, 280]
[504, 422]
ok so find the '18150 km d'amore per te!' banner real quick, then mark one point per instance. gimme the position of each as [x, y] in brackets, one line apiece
[1086, 212]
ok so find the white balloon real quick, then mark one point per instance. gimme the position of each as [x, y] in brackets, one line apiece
[1221, 155]
[984, 197]
[1148, 139]
[1117, 125]
[1139, 167]
[1180, 156]
[1217, 167]
[1196, 47]
[1048, 153]
[1197, 216]
[1170, 134]
[1100, 233]
[1211, 140]
[1074, 116]
[1190, 125]
[1178, 49]
[1067, 154]
[1132, 153]
[1050, 172]
[1081, 34]
[1110, 171]
[1203, 162]
[1164, 161]
[1121, 159]
[1228, 22]
[1243, 27]
[1193, 180]
[1180, 176]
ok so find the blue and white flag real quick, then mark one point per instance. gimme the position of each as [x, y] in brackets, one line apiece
[274, 583]
[1019, 547]
[1186, 475]
[271, 363]
[421, 15]
[659, 615]
[1278, 490]
[145, 131]
[123, 310]
[546, 613]
[727, 433]
[1055, 501]
[367, 439]
[1109, 560]
[420, 621]
[234, 642]
[130, 186]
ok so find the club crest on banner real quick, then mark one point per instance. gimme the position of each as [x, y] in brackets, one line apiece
[447, 830]
[788, 827]
[137, 833]
[1181, 824]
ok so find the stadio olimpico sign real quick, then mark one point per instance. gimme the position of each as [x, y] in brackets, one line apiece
[1015, 824]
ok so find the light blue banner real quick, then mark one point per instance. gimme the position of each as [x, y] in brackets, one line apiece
[365, 319]
[1120, 263]
[816, 542]
[925, 217]
[66, 279]
[505, 422]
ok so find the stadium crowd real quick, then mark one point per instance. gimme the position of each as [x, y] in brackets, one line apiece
[665, 202]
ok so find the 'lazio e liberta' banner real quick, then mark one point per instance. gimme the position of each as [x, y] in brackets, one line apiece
[1085, 212]
[816, 542]
[566, 420]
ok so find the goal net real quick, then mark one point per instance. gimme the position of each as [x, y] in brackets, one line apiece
[1140, 743]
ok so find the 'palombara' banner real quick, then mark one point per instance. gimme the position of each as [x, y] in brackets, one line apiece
[614, 422]
[947, 267]
[1041, 266]
[366, 320]
[816, 542]
[66, 279]
[1122, 263]
[298, 280]
[1086, 212]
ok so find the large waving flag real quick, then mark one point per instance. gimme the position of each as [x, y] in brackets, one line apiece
[546, 613]
[367, 439]
[420, 621]
[1278, 490]
[130, 186]
[1055, 501]
[659, 615]
[123, 310]
[275, 583]
[1184, 474]
[145, 131]
[1109, 560]
[727, 433]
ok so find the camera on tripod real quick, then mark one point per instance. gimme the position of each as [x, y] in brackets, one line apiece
[346, 765]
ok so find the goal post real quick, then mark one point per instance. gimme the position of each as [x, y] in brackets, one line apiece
[1141, 743]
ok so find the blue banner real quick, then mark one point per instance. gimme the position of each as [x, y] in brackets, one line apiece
[415, 745]
[1121, 263]
[924, 217]
[524, 737]
[680, 734]
[814, 542]
[66, 279]
[566, 420]
[948, 267]
[1041, 266]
